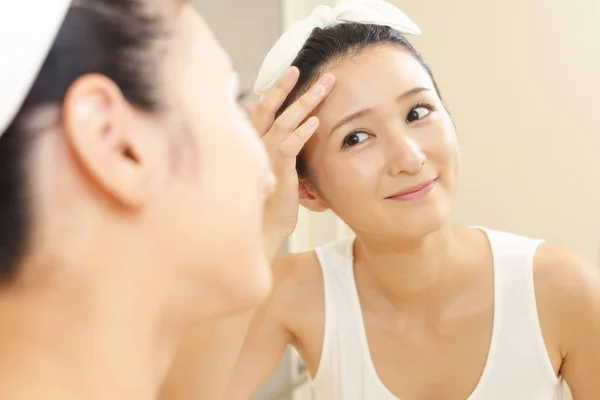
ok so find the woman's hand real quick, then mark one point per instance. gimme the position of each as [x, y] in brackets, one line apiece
[283, 138]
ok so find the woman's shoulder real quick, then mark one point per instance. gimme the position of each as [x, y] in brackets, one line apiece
[299, 293]
[565, 276]
[567, 289]
[304, 269]
[296, 267]
[297, 275]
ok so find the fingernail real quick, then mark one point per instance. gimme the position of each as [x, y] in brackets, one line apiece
[326, 80]
[292, 71]
[313, 121]
[317, 90]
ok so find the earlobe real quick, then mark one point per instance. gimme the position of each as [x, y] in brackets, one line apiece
[309, 198]
[100, 133]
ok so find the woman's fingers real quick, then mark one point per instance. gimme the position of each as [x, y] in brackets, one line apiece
[291, 147]
[293, 116]
[273, 100]
[252, 108]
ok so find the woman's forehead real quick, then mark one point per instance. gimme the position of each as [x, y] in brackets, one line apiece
[372, 64]
[376, 75]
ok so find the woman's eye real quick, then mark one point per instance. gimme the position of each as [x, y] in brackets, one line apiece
[355, 138]
[417, 113]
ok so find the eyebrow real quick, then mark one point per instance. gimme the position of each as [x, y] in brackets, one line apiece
[361, 113]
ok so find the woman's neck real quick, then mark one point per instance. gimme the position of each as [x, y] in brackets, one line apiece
[78, 341]
[411, 274]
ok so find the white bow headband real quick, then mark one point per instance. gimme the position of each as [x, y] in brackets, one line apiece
[28, 29]
[283, 53]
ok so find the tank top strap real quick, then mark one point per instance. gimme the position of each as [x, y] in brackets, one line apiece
[520, 358]
[340, 374]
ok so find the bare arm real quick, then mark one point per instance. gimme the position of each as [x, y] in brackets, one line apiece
[267, 337]
[572, 292]
[581, 365]
[205, 359]
[207, 356]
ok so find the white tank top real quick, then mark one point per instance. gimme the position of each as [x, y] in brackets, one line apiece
[517, 368]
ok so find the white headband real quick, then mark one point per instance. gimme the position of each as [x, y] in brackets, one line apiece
[283, 53]
[28, 29]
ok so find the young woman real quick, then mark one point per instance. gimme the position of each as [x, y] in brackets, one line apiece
[411, 306]
[123, 161]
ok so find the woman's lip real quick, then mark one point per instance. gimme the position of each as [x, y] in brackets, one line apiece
[414, 192]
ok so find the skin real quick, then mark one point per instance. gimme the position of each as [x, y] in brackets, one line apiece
[425, 285]
[134, 215]
[208, 353]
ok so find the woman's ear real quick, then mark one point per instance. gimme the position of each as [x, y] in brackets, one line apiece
[111, 144]
[310, 198]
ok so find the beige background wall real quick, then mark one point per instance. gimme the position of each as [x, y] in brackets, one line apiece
[246, 29]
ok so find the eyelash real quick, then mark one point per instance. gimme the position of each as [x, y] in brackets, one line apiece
[425, 105]
[355, 132]
[428, 106]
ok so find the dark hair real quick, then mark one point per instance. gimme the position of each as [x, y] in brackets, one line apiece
[114, 38]
[330, 45]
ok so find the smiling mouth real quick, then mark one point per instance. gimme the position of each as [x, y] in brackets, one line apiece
[415, 192]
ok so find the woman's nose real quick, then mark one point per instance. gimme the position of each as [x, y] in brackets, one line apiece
[404, 155]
